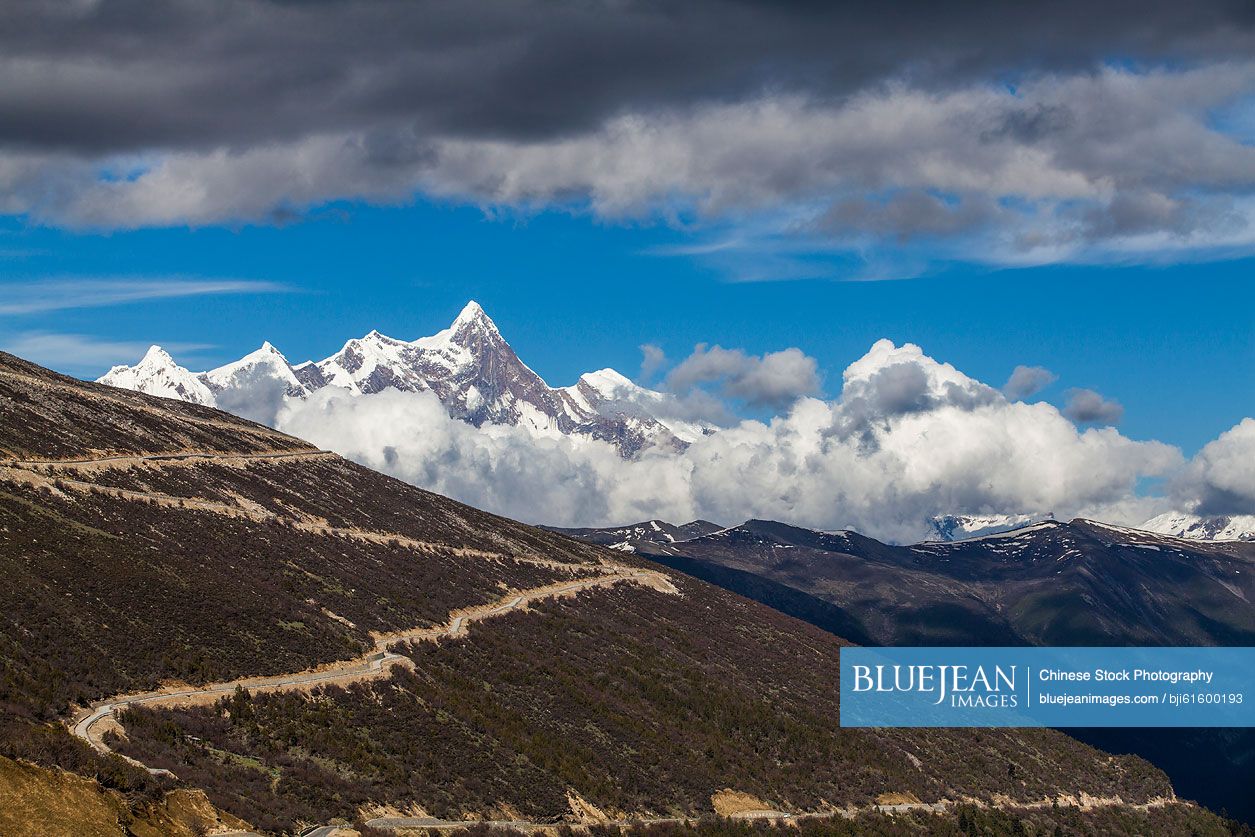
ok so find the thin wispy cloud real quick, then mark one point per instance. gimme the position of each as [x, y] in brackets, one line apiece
[44, 295]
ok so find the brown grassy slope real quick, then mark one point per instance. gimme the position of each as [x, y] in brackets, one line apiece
[108, 592]
[640, 702]
[39, 802]
[122, 575]
[51, 416]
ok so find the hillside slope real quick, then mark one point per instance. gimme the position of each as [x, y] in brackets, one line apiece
[1048, 583]
[150, 544]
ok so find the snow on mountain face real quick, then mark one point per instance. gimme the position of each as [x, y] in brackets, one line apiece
[658, 533]
[607, 393]
[265, 363]
[957, 527]
[468, 366]
[158, 374]
[1238, 527]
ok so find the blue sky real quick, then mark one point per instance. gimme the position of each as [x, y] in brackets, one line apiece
[1059, 185]
[1175, 344]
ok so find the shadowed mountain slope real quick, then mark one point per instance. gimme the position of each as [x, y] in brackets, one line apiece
[1051, 583]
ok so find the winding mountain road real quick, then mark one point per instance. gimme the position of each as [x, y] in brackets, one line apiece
[32, 468]
[764, 815]
[138, 458]
[373, 665]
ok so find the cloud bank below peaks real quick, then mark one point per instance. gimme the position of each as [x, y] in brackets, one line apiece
[908, 438]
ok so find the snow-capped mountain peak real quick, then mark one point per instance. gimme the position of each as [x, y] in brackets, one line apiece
[158, 374]
[156, 356]
[267, 353]
[473, 315]
[608, 382]
[264, 363]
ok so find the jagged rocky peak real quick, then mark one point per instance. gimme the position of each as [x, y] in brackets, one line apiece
[474, 320]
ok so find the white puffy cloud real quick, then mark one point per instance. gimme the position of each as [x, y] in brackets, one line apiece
[908, 438]
[653, 359]
[1220, 479]
[503, 469]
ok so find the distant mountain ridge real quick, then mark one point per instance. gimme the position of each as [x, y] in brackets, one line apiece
[957, 527]
[633, 536]
[1235, 527]
[1048, 582]
[469, 366]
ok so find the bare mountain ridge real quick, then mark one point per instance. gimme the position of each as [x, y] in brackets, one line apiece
[1051, 582]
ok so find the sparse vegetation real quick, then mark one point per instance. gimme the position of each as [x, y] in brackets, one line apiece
[639, 701]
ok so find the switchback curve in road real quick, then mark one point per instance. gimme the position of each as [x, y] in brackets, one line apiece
[370, 666]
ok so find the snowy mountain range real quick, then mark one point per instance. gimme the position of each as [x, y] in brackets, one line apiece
[478, 377]
[951, 528]
[469, 366]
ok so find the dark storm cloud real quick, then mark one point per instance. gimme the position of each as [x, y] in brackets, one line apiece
[1032, 124]
[121, 75]
[988, 132]
[908, 215]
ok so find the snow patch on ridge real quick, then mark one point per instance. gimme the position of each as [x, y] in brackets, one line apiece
[1238, 527]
